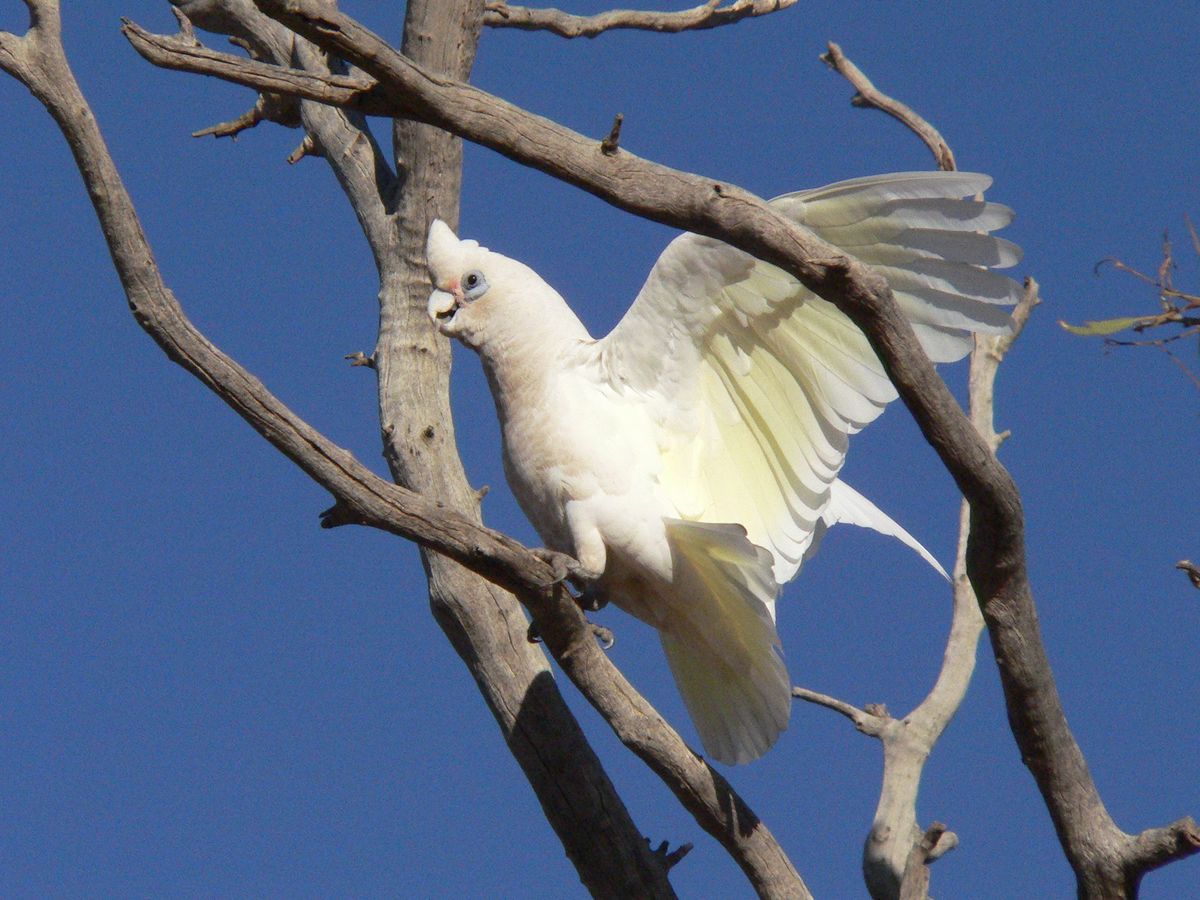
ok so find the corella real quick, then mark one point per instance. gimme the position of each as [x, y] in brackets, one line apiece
[689, 460]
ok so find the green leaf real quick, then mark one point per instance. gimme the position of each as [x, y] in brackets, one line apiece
[1103, 327]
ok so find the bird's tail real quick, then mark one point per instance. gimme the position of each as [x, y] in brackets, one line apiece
[721, 641]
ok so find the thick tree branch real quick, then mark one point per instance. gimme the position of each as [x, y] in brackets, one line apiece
[182, 52]
[707, 15]
[896, 853]
[1105, 859]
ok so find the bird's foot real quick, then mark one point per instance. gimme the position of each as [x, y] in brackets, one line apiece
[565, 567]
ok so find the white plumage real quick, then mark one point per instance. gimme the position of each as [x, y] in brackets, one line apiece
[689, 460]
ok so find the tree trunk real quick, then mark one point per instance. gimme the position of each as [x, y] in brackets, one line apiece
[484, 623]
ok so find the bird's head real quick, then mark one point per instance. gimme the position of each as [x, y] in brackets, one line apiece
[480, 296]
[468, 281]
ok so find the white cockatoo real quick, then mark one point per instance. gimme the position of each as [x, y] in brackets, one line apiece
[689, 460]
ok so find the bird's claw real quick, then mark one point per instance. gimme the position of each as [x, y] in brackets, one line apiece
[564, 567]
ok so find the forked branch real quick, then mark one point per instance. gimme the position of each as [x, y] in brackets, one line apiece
[1107, 861]
[897, 852]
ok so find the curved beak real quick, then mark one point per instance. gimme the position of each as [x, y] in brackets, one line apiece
[443, 305]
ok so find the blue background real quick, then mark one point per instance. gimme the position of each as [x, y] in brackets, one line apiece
[204, 694]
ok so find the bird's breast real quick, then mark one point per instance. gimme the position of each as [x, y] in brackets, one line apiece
[571, 439]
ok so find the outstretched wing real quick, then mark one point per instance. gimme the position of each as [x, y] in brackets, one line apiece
[755, 383]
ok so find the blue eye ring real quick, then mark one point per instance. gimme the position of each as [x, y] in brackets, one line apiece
[474, 285]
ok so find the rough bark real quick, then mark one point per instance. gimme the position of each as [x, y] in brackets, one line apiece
[1107, 861]
[483, 622]
[701, 790]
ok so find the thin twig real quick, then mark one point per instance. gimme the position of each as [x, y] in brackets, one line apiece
[871, 97]
[1191, 570]
[864, 721]
[267, 108]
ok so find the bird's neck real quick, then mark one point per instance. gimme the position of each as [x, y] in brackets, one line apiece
[525, 358]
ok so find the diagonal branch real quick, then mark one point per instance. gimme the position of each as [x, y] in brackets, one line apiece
[707, 15]
[896, 853]
[178, 51]
[870, 97]
[933, 713]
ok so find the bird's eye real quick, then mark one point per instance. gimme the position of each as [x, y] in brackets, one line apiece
[474, 285]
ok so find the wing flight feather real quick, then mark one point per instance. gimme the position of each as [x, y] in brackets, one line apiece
[756, 383]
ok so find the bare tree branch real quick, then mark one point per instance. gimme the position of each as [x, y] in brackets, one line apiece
[267, 108]
[915, 883]
[1097, 849]
[871, 97]
[707, 15]
[865, 721]
[353, 92]
[896, 853]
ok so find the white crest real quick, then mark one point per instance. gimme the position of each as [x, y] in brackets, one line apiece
[444, 252]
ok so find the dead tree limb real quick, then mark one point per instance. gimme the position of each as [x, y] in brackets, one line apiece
[897, 851]
[896, 846]
[482, 621]
[707, 15]
[870, 97]
[1107, 861]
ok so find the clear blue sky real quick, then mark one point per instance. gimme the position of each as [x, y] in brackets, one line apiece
[205, 694]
